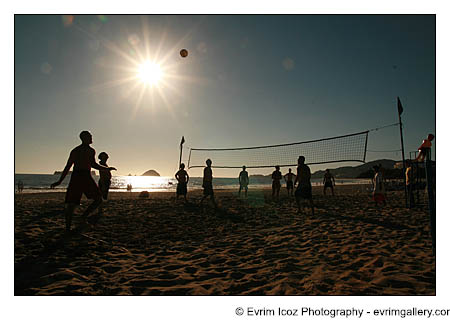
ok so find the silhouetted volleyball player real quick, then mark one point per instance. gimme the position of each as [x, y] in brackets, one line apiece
[82, 158]
[183, 179]
[276, 185]
[207, 183]
[289, 179]
[328, 181]
[243, 181]
[304, 188]
[104, 182]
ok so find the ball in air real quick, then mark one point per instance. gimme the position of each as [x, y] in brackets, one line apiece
[184, 53]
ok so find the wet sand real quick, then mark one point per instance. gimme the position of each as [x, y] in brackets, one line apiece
[253, 246]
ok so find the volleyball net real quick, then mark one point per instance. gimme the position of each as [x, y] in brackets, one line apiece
[350, 147]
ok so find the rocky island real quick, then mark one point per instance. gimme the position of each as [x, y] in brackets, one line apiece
[151, 172]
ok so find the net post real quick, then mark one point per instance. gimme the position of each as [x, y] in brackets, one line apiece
[181, 151]
[189, 160]
[365, 146]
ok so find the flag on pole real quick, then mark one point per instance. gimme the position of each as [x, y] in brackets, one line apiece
[399, 106]
[182, 140]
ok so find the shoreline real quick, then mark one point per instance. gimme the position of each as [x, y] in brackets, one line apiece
[172, 189]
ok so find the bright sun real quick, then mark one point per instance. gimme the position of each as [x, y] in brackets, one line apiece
[150, 73]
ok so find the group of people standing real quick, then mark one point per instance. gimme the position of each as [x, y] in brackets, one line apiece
[303, 178]
[183, 178]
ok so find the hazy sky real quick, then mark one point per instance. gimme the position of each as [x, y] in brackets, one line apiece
[248, 81]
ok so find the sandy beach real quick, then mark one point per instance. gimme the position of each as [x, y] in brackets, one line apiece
[253, 246]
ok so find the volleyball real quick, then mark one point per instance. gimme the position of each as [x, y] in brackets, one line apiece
[184, 53]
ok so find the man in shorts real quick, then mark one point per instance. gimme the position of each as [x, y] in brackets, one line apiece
[207, 183]
[276, 185]
[243, 181]
[304, 188]
[289, 179]
[183, 179]
[82, 158]
[328, 181]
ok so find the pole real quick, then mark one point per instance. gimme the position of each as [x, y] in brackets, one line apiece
[430, 190]
[181, 151]
[403, 159]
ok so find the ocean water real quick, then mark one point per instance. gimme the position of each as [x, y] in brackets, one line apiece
[41, 183]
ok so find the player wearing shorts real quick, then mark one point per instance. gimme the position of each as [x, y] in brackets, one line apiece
[304, 188]
[182, 178]
[207, 183]
[82, 158]
[289, 179]
[276, 185]
[243, 181]
[328, 181]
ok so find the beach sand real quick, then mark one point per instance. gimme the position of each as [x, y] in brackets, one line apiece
[253, 246]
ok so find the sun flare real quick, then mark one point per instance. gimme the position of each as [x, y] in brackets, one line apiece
[150, 73]
[151, 76]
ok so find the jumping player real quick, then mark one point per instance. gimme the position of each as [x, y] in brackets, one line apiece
[82, 158]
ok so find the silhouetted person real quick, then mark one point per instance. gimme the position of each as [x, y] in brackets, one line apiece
[129, 187]
[304, 188]
[276, 185]
[20, 186]
[207, 183]
[183, 179]
[82, 158]
[289, 179]
[409, 183]
[243, 181]
[104, 181]
[328, 181]
[378, 187]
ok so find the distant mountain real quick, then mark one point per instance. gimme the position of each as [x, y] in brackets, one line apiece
[353, 172]
[260, 176]
[151, 172]
[344, 172]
